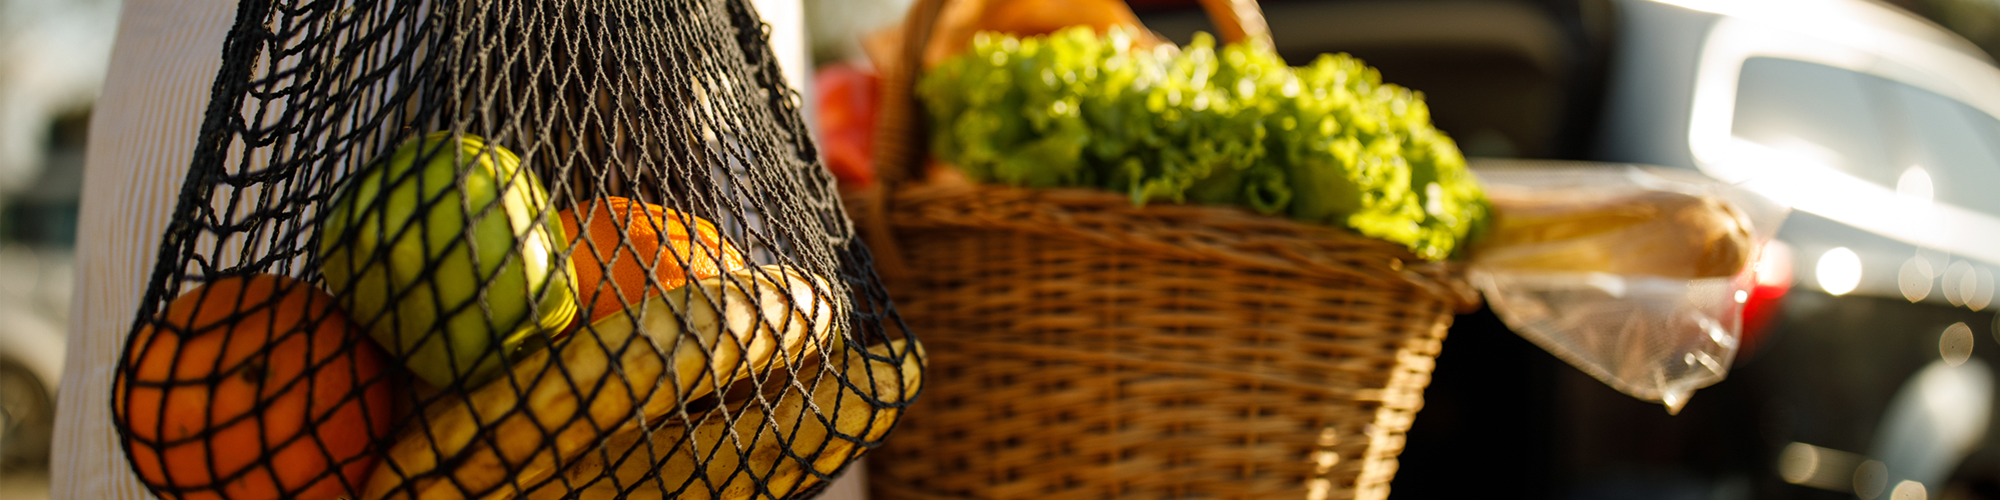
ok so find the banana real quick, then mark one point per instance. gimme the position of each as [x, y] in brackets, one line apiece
[709, 462]
[516, 431]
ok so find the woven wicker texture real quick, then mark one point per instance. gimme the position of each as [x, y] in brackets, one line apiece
[1090, 349]
[1084, 348]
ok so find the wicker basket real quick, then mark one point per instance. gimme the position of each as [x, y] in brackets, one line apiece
[1084, 348]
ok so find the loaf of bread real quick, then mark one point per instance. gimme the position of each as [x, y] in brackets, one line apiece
[1658, 233]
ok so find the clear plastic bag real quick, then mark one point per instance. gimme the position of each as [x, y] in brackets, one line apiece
[1634, 275]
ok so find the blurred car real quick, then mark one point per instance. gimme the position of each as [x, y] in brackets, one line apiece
[34, 307]
[1869, 379]
[53, 55]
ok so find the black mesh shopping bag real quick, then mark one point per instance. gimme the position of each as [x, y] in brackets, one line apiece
[506, 249]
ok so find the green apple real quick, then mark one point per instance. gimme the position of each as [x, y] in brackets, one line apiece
[448, 255]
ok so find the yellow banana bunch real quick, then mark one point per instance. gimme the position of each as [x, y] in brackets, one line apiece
[515, 431]
[775, 442]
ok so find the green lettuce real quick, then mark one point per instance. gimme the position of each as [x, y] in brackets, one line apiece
[1326, 143]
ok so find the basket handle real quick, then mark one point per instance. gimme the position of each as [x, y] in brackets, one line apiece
[900, 135]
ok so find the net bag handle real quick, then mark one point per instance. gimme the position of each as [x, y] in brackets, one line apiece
[900, 135]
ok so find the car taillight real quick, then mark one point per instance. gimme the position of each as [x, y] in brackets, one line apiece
[1772, 277]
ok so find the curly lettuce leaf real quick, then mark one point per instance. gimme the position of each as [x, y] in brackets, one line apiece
[1327, 142]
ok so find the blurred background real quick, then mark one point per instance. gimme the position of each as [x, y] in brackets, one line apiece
[52, 60]
[1865, 367]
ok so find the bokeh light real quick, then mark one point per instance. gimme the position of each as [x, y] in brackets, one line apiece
[1915, 279]
[1909, 490]
[1959, 282]
[1982, 292]
[1798, 463]
[1774, 264]
[1838, 271]
[1818, 467]
[1956, 344]
[1915, 186]
[1869, 479]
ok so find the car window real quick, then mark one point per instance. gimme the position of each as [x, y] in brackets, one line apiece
[1953, 143]
[1873, 128]
[1819, 111]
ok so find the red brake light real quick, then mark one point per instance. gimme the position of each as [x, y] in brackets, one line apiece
[1772, 279]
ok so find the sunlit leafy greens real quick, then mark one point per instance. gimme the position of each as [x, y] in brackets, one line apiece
[1327, 142]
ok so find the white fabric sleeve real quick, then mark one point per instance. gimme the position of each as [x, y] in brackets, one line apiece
[142, 137]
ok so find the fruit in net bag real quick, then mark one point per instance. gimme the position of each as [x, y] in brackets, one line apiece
[457, 273]
[800, 434]
[640, 365]
[413, 169]
[623, 236]
[246, 389]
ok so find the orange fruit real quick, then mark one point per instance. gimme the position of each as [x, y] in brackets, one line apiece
[252, 388]
[623, 242]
